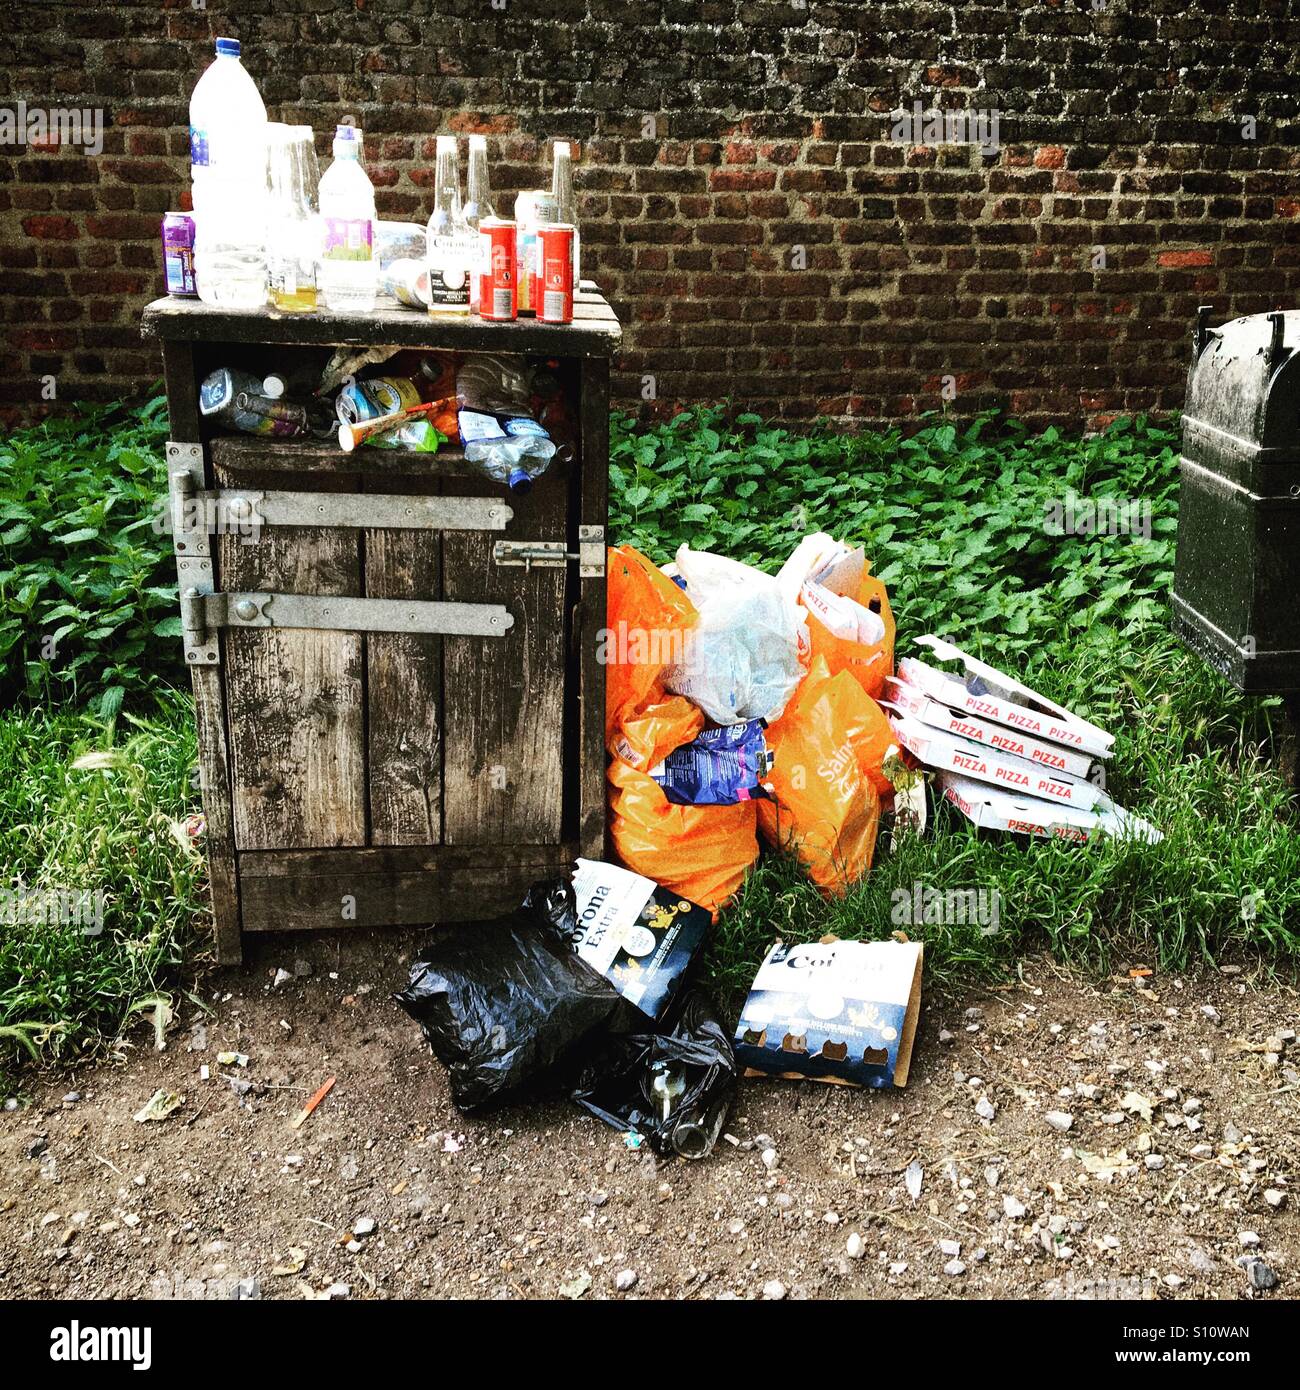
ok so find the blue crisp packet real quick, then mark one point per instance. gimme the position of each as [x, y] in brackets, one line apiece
[717, 768]
[840, 1011]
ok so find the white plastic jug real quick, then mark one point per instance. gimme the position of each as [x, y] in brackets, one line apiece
[228, 181]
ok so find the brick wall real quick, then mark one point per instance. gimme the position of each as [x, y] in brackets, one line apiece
[742, 201]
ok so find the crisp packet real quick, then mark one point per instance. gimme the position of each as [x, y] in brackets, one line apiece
[719, 767]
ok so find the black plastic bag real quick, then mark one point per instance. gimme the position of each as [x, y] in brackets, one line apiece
[686, 1069]
[503, 1003]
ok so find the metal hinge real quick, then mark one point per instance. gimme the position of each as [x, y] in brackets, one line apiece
[202, 614]
[590, 553]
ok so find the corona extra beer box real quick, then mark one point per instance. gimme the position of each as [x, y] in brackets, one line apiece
[837, 1011]
[641, 937]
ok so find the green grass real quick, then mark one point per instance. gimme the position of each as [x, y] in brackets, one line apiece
[953, 520]
[86, 804]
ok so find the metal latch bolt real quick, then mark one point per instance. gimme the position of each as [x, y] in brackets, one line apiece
[590, 554]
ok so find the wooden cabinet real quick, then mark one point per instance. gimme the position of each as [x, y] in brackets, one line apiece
[400, 709]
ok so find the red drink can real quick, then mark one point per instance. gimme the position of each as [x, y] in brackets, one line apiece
[498, 278]
[555, 272]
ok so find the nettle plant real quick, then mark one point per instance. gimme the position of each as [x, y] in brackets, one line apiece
[951, 517]
[87, 585]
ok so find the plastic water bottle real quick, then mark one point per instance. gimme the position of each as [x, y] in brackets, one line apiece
[228, 182]
[349, 271]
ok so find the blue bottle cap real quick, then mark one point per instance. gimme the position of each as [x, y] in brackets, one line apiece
[228, 48]
[346, 132]
[520, 481]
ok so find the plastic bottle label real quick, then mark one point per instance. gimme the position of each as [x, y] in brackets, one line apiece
[475, 425]
[349, 239]
[198, 146]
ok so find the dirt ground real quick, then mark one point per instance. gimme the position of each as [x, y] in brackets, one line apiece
[1178, 1174]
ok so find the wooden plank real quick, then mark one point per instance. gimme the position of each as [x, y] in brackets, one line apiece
[249, 453]
[503, 698]
[209, 702]
[594, 331]
[295, 697]
[322, 890]
[403, 689]
[593, 510]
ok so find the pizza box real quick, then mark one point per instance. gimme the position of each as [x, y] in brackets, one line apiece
[992, 694]
[990, 808]
[946, 753]
[999, 737]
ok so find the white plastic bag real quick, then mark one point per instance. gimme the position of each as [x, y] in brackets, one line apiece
[743, 660]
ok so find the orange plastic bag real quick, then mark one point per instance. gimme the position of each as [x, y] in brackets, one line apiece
[868, 663]
[645, 737]
[827, 779]
[700, 852]
[648, 621]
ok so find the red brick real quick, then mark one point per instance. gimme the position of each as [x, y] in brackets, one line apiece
[51, 228]
[1185, 260]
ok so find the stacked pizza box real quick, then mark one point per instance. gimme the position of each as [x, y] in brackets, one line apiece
[1006, 757]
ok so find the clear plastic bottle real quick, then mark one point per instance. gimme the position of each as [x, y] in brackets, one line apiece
[228, 183]
[565, 200]
[293, 237]
[478, 205]
[349, 270]
[500, 436]
[451, 246]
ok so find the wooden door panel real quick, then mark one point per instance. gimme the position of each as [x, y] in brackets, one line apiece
[295, 697]
[504, 697]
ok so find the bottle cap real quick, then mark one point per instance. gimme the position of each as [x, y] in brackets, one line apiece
[520, 481]
[228, 48]
[347, 142]
[478, 142]
[445, 143]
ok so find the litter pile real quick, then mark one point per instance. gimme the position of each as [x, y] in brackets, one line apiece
[510, 414]
[584, 986]
[740, 704]
[740, 707]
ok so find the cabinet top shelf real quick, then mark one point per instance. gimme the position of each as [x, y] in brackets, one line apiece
[594, 332]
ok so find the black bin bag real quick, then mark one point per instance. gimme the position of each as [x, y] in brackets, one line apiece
[504, 1003]
[674, 1085]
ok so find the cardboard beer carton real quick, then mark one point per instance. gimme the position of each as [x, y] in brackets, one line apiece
[993, 809]
[944, 752]
[999, 737]
[640, 936]
[991, 694]
[838, 1011]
